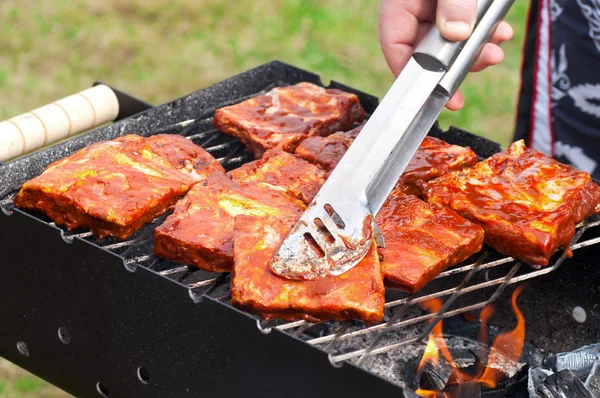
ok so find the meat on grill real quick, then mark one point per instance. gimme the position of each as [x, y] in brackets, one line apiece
[280, 170]
[356, 294]
[422, 240]
[200, 230]
[327, 151]
[115, 187]
[434, 157]
[285, 116]
[527, 203]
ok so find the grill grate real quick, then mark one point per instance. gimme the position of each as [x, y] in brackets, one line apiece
[400, 306]
[401, 309]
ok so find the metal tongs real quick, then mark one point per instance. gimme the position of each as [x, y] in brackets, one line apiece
[338, 228]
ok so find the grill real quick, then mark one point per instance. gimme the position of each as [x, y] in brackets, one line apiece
[108, 318]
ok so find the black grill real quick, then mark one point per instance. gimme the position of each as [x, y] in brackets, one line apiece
[144, 326]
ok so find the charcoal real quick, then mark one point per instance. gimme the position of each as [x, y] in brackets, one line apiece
[580, 361]
[465, 390]
[563, 384]
[515, 387]
[592, 383]
[435, 377]
[536, 378]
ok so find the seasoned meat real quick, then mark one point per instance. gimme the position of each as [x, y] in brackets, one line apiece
[527, 203]
[280, 170]
[327, 151]
[434, 157]
[200, 230]
[114, 187]
[422, 240]
[356, 294]
[285, 116]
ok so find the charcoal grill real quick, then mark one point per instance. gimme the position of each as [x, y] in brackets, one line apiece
[108, 318]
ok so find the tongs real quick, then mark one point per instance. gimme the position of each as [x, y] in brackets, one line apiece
[338, 228]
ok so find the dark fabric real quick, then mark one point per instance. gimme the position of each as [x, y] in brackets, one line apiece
[523, 125]
[575, 81]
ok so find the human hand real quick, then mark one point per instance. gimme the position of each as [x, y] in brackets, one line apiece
[402, 24]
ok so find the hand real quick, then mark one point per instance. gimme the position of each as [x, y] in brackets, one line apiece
[402, 24]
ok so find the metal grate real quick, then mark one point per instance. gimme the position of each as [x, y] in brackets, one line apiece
[376, 333]
[463, 279]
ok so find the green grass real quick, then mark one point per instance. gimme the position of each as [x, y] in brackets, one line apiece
[16, 383]
[162, 49]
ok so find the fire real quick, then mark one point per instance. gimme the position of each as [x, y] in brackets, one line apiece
[426, 393]
[507, 347]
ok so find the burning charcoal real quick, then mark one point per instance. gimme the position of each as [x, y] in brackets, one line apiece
[563, 384]
[515, 387]
[579, 361]
[436, 376]
[536, 378]
[409, 394]
[593, 381]
[465, 390]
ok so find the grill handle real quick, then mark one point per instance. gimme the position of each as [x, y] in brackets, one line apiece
[56, 121]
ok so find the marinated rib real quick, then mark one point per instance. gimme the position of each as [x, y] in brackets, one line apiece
[327, 151]
[527, 203]
[422, 240]
[434, 157]
[356, 294]
[280, 170]
[200, 230]
[285, 116]
[114, 187]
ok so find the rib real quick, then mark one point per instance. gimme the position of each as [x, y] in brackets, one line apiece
[115, 187]
[200, 230]
[280, 170]
[285, 116]
[422, 240]
[527, 203]
[357, 294]
[327, 151]
[433, 159]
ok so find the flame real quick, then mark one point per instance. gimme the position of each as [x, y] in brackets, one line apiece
[431, 354]
[426, 393]
[436, 338]
[507, 348]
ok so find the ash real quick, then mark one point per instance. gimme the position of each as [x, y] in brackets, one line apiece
[398, 365]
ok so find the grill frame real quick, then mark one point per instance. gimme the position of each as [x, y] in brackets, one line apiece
[202, 344]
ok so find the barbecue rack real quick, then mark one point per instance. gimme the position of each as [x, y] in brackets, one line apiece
[108, 318]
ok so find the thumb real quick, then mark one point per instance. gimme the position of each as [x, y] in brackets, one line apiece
[455, 18]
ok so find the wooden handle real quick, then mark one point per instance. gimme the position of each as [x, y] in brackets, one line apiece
[61, 119]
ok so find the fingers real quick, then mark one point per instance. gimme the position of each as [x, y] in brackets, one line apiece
[456, 102]
[504, 32]
[455, 18]
[492, 54]
[400, 29]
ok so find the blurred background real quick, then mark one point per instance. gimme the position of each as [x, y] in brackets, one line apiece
[162, 49]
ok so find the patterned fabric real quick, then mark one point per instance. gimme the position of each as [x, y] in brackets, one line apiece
[559, 107]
